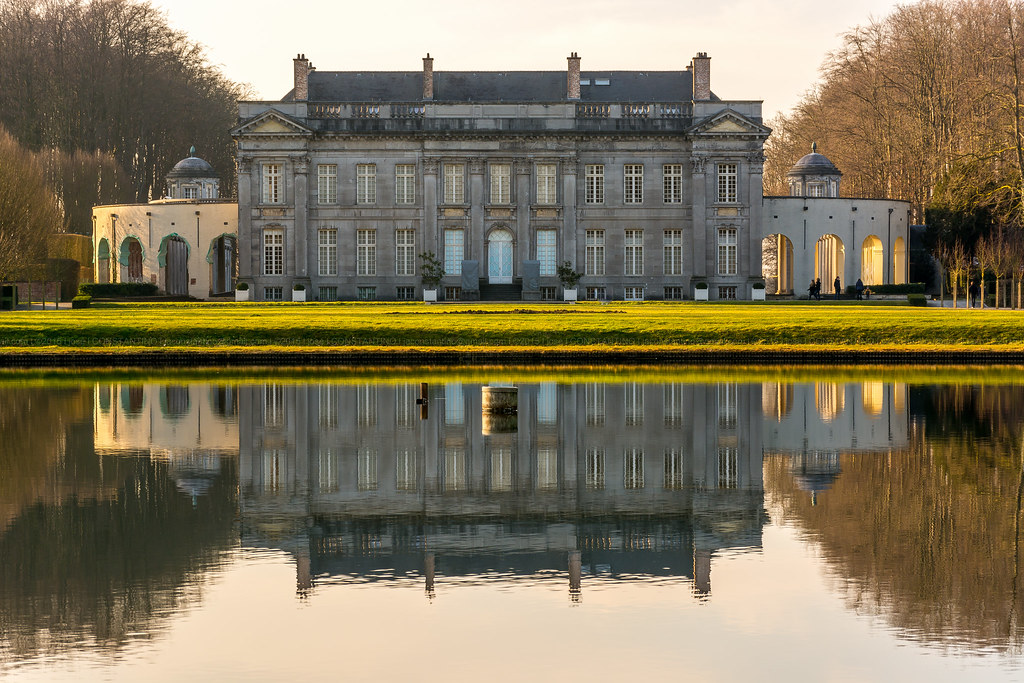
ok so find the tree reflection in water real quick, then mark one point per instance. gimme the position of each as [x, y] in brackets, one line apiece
[928, 537]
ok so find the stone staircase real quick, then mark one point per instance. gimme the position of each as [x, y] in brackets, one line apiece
[513, 292]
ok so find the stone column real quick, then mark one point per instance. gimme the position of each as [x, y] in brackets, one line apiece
[431, 238]
[476, 209]
[523, 174]
[569, 169]
[699, 188]
[755, 179]
[301, 221]
[246, 239]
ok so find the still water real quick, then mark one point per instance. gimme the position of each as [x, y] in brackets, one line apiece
[617, 526]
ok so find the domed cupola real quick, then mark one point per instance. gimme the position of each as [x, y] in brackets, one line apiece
[814, 176]
[192, 178]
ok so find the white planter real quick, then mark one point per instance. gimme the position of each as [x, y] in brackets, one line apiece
[757, 294]
[430, 295]
[241, 295]
[569, 294]
[298, 295]
[700, 295]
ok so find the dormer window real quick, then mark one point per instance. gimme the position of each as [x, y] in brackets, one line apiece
[815, 190]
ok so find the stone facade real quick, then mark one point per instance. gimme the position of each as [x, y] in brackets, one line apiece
[186, 244]
[644, 181]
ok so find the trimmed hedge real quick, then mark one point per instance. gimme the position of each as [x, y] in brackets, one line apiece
[917, 299]
[117, 289]
[81, 301]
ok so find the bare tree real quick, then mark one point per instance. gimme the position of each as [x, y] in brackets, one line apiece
[28, 210]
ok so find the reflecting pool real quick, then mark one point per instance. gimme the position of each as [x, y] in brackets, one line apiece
[685, 525]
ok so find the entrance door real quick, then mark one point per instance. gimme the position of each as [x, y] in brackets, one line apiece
[176, 270]
[499, 257]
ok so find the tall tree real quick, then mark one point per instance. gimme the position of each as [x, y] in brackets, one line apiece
[28, 210]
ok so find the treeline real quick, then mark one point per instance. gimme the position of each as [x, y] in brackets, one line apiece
[112, 97]
[923, 105]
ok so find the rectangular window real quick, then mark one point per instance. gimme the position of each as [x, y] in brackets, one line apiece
[726, 293]
[634, 404]
[328, 480]
[594, 184]
[366, 469]
[366, 252]
[672, 404]
[405, 183]
[673, 470]
[452, 293]
[727, 183]
[327, 183]
[595, 469]
[634, 253]
[547, 251]
[673, 252]
[366, 404]
[727, 406]
[728, 464]
[727, 251]
[547, 293]
[633, 183]
[328, 252]
[272, 184]
[673, 293]
[547, 469]
[633, 468]
[366, 293]
[595, 252]
[405, 293]
[366, 183]
[405, 405]
[547, 183]
[454, 469]
[273, 252]
[273, 293]
[454, 184]
[405, 470]
[595, 294]
[593, 401]
[454, 246]
[405, 252]
[633, 294]
[273, 405]
[547, 403]
[454, 404]
[328, 293]
[501, 183]
[673, 183]
[193, 193]
[328, 413]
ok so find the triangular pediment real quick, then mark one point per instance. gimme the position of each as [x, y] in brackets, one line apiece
[272, 123]
[729, 123]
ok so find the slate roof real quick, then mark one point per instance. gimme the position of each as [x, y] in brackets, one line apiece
[497, 86]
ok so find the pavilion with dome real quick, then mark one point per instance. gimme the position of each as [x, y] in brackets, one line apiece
[185, 243]
[814, 233]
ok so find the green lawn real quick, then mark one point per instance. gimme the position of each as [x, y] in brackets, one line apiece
[589, 326]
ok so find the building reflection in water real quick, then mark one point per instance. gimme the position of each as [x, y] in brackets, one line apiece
[591, 479]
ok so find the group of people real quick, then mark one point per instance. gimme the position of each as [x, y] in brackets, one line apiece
[814, 290]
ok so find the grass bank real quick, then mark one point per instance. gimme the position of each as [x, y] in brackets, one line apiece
[421, 331]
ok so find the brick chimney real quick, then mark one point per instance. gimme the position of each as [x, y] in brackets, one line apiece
[700, 72]
[573, 82]
[428, 77]
[302, 69]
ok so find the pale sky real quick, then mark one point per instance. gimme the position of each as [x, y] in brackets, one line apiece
[759, 50]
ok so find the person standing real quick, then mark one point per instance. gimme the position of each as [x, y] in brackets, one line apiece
[974, 292]
[837, 285]
[817, 289]
[860, 289]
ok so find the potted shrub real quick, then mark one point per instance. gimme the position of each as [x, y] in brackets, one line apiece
[700, 291]
[569, 278]
[757, 291]
[431, 272]
[298, 292]
[242, 291]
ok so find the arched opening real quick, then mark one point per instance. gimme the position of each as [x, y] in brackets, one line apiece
[776, 400]
[872, 259]
[872, 396]
[103, 261]
[829, 400]
[499, 257]
[130, 259]
[777, 264]
[173, 260]
[899, 262]
[829, 260]
[223, 260]
[174, 401]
